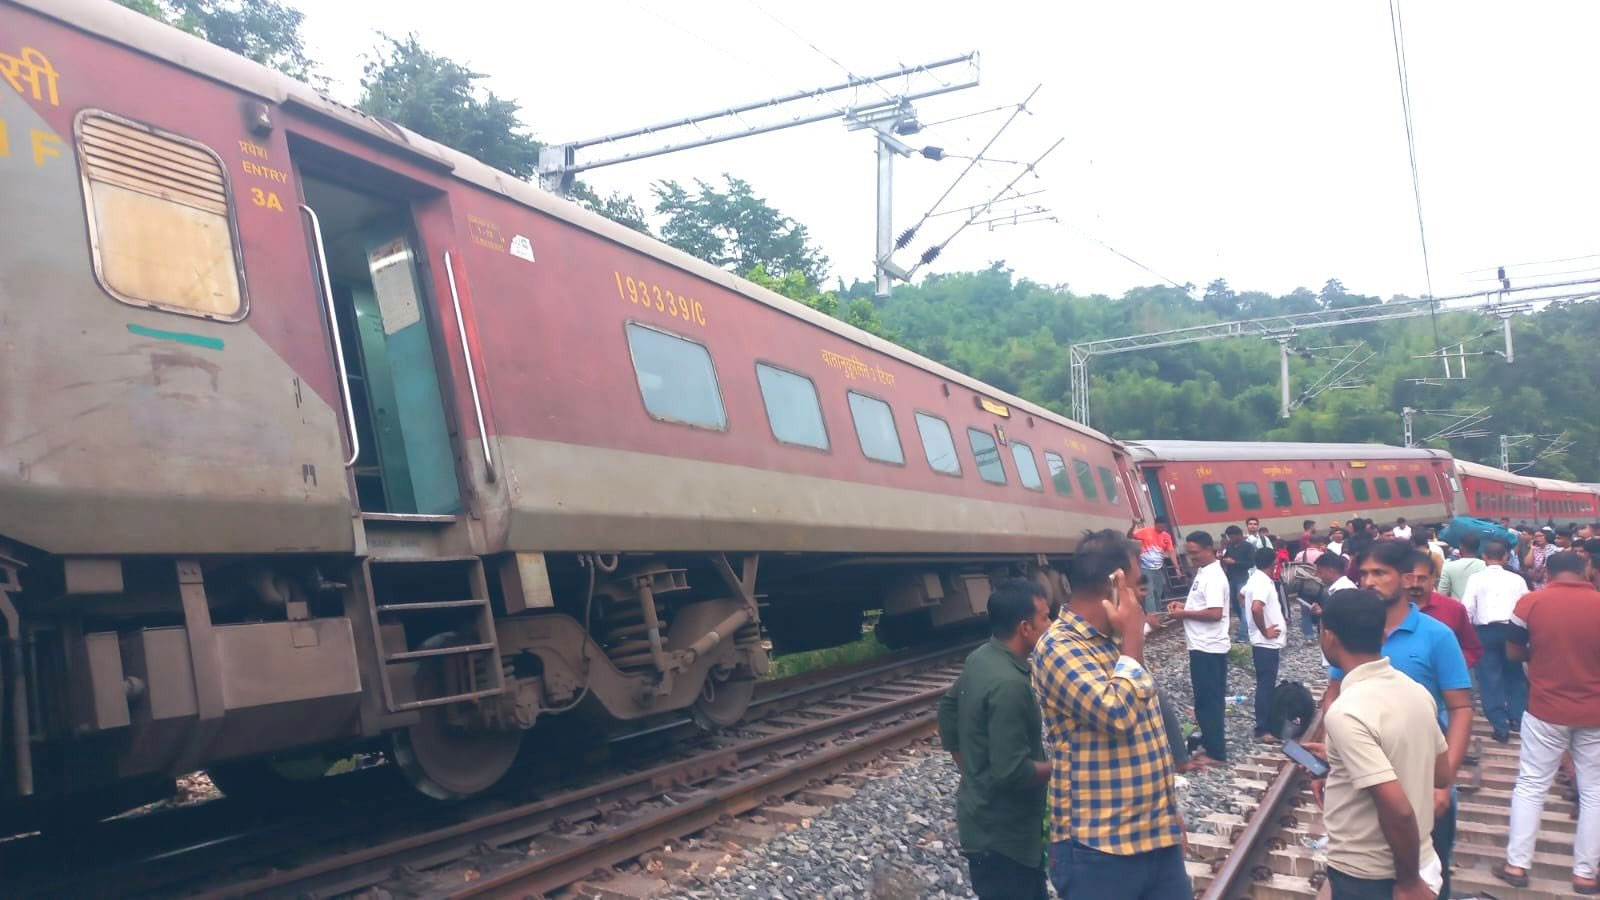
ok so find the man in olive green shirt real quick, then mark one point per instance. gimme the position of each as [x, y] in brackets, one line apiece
[990, 722]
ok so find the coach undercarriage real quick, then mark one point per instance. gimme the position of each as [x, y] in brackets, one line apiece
[120, 674]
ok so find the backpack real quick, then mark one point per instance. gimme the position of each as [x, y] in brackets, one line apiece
[1300, 580]
[1292, 709]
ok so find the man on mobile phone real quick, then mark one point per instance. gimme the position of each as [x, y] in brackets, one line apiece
[1385, 756]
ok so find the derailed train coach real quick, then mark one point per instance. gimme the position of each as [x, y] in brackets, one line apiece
[315, 433]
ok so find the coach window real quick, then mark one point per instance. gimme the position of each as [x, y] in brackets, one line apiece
[1085, 479]
[1280, 494]
[160, 224]
[1216, 497]
[1308, 493]
[1403, 486]
[793, 410]
[875, 429]
[1335, 490]
[1027, 469]
[1423, 488]
[987, 454]
[1382, 485]
[1358, 490]
[938, 445]
[1058, 473]
[676, 378]
[1249, 495]
[1109, 482]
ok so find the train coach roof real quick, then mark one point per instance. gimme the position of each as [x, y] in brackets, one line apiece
[1479, 470]
[113, 22]
[1224, 451]
[1556, 484]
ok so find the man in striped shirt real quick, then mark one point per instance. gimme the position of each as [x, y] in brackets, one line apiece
[1115, 829]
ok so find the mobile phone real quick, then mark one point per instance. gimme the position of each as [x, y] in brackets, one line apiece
[1313, 763]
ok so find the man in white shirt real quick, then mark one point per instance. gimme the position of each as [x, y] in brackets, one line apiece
[1402, 531]
[1264, 615]
[1254, 536]
[1491, 598]
[1205, 629]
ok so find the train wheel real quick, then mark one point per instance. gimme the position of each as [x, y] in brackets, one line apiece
[445, 761]
[722, 702]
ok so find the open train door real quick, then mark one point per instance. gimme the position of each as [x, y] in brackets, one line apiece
[1138, 503]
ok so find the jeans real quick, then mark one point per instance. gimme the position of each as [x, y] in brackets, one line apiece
[1155, 599]
[1502, 685]
[1081, 871]
[1235, 585]
[1308, 620]
[1266, 662]
[1169, 724]
[996, 876]
[1542, 746]
[1208, 676]
[1444, 841]
[1349, 887]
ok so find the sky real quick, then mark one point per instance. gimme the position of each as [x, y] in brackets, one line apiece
[1261, 142]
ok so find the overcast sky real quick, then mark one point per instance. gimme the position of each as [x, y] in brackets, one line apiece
[1260, 142]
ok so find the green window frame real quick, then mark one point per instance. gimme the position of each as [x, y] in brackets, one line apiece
[1424, 489]
[1085, 479]
[1308, 492]
[1249, 494]
[1216, 496]
[1027, 466]
[1381, 485]
[1280, 494]
[986, 453]
[1402, 486]
[1058, 473]
[1336, 492]
[1358, 490]
[1108, 481]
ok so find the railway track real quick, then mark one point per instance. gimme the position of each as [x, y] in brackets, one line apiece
[802, 731]
[1262, 851]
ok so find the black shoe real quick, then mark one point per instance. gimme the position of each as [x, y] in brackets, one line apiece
[1194, 742]
[1501, 736]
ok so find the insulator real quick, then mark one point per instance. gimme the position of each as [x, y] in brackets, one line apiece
[931, 254]
[905, 238]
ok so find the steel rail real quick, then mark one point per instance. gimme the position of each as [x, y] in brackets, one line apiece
[1238, 870]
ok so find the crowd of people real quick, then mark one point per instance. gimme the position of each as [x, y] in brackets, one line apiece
[1059, 718]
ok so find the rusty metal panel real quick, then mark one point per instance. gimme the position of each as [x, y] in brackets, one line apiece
[525, 583]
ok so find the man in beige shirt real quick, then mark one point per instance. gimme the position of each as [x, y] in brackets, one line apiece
[1386, 755]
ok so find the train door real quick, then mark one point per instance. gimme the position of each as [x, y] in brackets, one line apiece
[1157, 493]
[366, 247]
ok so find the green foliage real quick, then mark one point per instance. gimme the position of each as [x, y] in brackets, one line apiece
[439, 98]
[266, 31]
[1014, 333]
[736, 229]
[856, 311]
[807, 660]
[617, 206]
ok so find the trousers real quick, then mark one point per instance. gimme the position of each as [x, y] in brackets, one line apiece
[1542, 746]
[1155, 600]
[1266, 663]
[1502, 685]
[1208, 677]
[1078, 870]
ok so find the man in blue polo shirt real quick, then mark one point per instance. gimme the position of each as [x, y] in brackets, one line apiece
[1427, 651]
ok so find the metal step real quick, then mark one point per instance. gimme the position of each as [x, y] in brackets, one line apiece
[468, 676]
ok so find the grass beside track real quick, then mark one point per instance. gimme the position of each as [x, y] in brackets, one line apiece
[805, 661]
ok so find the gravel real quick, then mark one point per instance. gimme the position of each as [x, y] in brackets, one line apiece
[895, 839]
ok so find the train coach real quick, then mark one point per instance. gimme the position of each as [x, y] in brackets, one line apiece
[1209, 485]
[315, 433]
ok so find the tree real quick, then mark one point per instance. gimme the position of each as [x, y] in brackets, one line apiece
[857, 311]
[266, 31]
[439, 98]
[616, 206]
[737, 230]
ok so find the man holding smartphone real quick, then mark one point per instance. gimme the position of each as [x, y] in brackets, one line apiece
[1385, 756]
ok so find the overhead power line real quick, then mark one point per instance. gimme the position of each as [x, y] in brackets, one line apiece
[1398, 33]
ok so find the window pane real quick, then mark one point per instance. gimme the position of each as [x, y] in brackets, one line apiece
[676, 378]
[1280, 494]
[1382, 484]
[1423, 487]
[1402, 485]
[159, 219]
[937, 443]
[1216, 497]
[1358, 490]
[875, 428]
[793, 410]
[1335, 490]
[1109, 482]
[1249, 495]
[1058, 473]
[1308, 493]
[1085, 479]
[1027, 469]
[987, 454]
